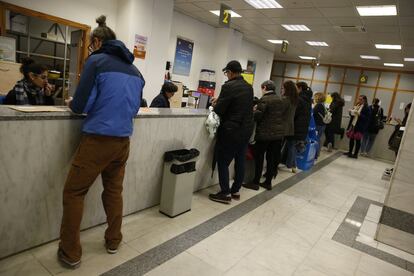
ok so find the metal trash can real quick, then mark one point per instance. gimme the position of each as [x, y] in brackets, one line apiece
[178, 181]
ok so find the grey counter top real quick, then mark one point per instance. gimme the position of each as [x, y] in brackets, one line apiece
[7, 114]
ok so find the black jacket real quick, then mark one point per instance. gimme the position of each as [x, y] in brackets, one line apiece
[377, 113]
[161, 101]
[363, 120]
[336, 108]
[271, 114]
[318, 114]
[235, 109]
[302, 118]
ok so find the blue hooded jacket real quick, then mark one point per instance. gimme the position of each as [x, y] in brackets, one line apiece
[109, 91]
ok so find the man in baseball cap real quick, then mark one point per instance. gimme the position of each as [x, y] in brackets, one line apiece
[235, 108]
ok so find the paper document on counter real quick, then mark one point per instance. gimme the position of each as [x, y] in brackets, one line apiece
[33, 109]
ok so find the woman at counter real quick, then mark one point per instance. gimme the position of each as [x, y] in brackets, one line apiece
[34, 88]
[163, 99]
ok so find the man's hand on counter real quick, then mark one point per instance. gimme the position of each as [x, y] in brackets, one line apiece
[213, 102]
[68, 101]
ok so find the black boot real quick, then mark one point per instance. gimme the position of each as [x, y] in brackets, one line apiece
[267, 184]
[251, 186]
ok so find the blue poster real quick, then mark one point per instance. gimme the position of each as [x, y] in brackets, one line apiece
[183, 57]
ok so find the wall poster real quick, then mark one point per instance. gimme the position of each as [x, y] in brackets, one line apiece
[183, 57]
[140, 46]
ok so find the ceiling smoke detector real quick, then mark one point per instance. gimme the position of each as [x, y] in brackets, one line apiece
[351, 29]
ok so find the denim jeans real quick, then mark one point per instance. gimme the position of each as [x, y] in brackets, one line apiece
[225, 153]
[291, 153]
[320, 130]
[367, 142]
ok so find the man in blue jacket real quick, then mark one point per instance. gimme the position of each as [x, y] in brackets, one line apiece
[109, 93]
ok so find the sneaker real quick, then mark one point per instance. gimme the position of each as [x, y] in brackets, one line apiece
[235, 196]
[111, 250]
[329, 147]
[251, 186]
[65, 262]
[220, 197]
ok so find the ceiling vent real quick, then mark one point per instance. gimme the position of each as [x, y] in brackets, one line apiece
[351, 29]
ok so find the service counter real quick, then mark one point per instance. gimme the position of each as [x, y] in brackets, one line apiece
[36, 150]
[380, 148]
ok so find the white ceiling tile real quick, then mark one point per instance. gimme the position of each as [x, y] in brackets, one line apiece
[381, 20]
[208, 5]
[296, 3]
[188, 7]
[382, 29]
[332, 3]
[275, 12]
[237, 4]
[342, 12]
[406, 8]
[374, 2]
[345, 21]
[407, 21]
[261, 20]
[303, 13]
[250, 13]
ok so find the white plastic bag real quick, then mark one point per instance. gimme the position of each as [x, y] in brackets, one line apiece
[212, 122]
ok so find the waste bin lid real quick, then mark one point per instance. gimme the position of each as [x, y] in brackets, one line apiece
[181, 155]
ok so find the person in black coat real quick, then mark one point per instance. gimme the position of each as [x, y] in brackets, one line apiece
[234, 106]
[163, 99]
[334, 127]
[358, 124]
[319, 112]
[374, 126]
[301, 126]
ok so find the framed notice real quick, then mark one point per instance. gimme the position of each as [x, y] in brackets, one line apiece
[183, 57]
[140, 46]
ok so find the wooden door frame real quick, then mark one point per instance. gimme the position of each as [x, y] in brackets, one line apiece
[28, 12]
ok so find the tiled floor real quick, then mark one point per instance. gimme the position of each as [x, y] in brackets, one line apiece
[288, 235]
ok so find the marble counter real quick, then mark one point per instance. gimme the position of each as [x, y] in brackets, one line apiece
[36, 152]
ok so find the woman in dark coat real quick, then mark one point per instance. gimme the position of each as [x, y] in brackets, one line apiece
[358, 124]
[334, 126]
[274, 118]
[301, 122]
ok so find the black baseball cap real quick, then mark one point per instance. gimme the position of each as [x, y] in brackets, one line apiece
[233, 66]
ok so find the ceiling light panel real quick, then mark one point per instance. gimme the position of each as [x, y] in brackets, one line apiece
[394, 64]
[408, 59]
[388, 46]
[317, 43]
[264, 4]
[233, 13]
[370, 57]
[276, 41]
[306, 57]
[296, 28]
[388, 10]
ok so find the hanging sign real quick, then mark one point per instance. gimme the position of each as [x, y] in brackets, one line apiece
[140, 46]
[225, 16]
[284, 47]
[363, 79]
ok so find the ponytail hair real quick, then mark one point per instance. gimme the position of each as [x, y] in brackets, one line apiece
[103, 32]
[30, 66]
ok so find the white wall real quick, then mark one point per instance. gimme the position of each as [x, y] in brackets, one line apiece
[203, 36]
[209, 53]
[81, 11]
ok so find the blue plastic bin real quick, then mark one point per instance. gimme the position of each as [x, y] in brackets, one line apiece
[306, 159]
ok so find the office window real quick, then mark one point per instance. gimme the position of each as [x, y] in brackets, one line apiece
[321, 73]
[372, 77]
[337, 74]
[292, 70]
[306, 71]
[352, 76]
[406, 82]
[278, 68]
[388, 80]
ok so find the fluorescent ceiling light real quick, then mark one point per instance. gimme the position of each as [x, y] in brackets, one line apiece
[296, 28]
[233, 13]
[388, 10]
[408, 59]
[277, 41]
[305, 57]
[394, 64]
[386, 46]
[370, 57]
[264, 4]
[317, 43]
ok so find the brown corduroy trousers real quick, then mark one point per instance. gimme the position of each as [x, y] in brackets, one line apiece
[95, 155]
